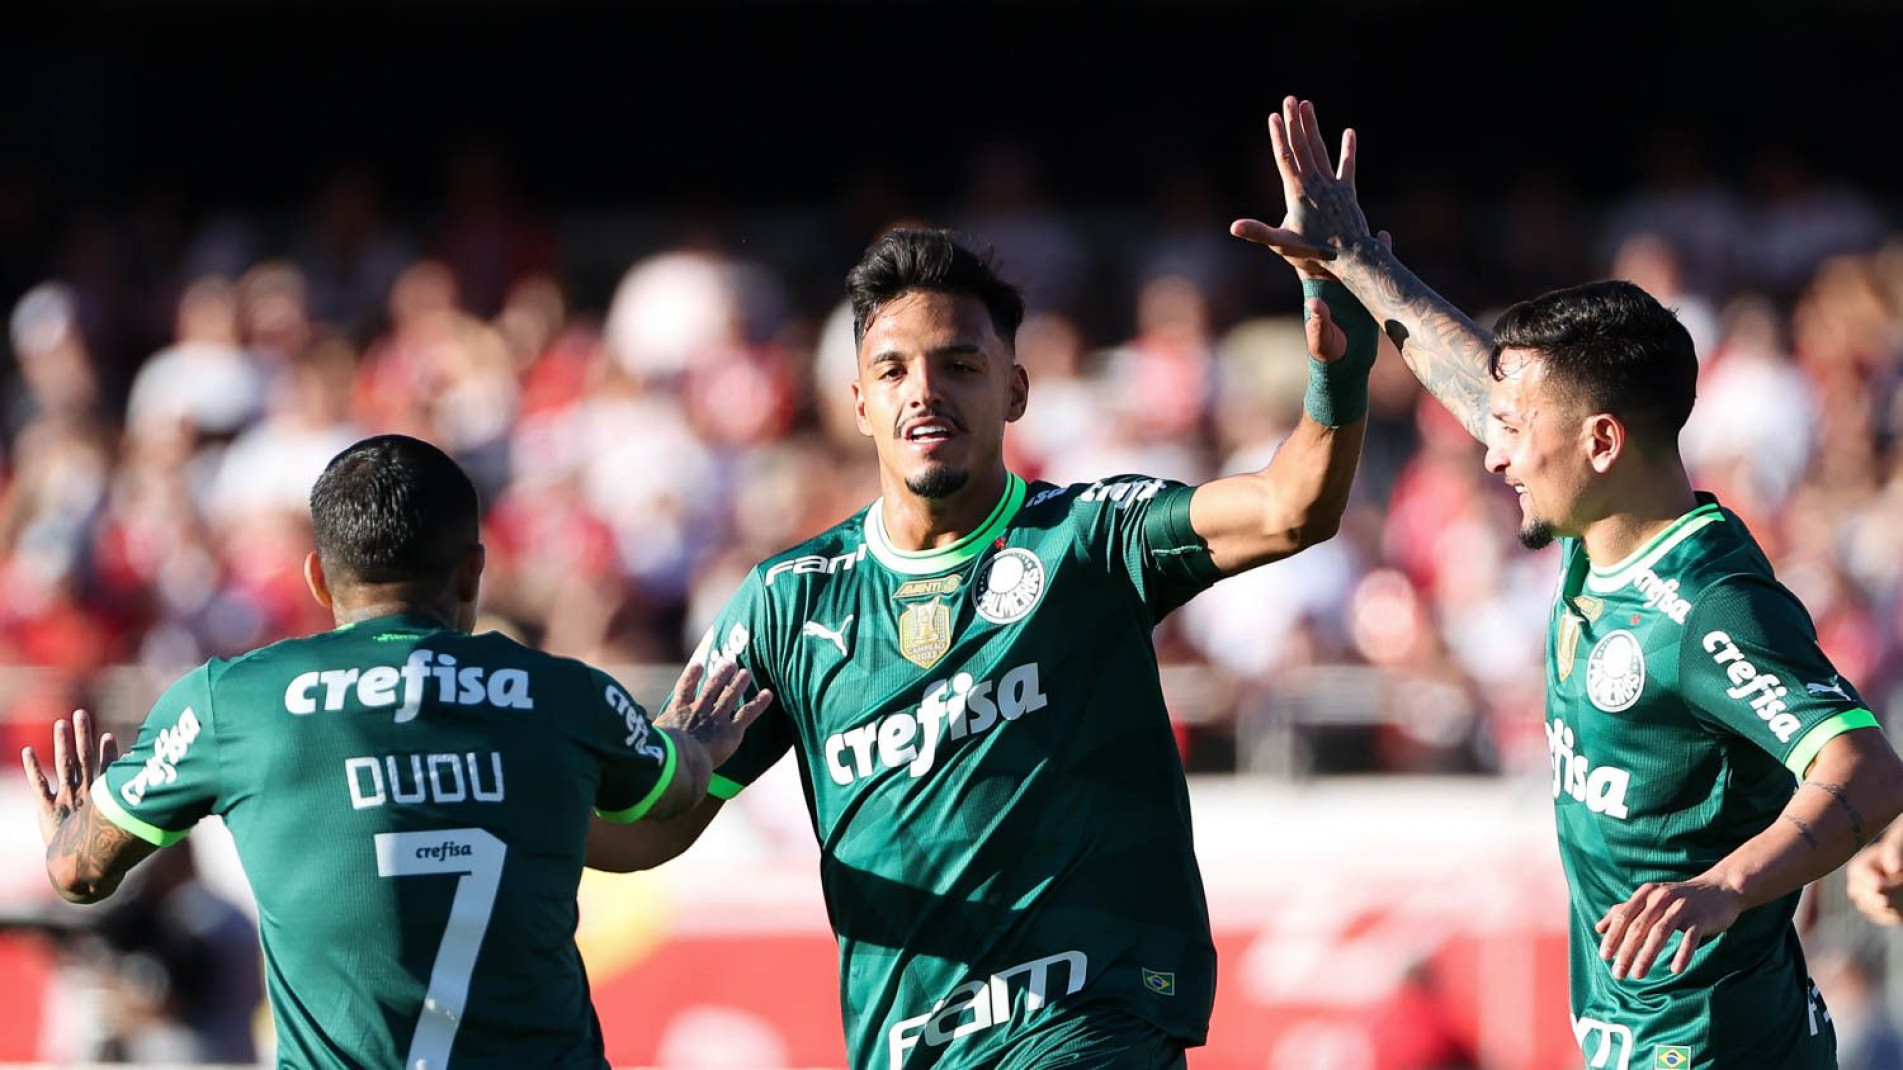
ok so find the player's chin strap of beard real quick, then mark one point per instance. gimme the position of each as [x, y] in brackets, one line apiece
[1338, 389]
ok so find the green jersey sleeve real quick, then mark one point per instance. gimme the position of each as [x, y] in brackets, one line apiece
[169, 779]
[1750, 665]
[637, 760]
[1139, 529]
[736, 636]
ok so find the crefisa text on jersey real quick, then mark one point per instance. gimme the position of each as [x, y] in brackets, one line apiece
[961, 706]
[1662, 595]
[1601, 787]
[380, 686]
[1764, 691]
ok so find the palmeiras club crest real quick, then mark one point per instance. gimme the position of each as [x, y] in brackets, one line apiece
[1008, 586]
[1615, 672]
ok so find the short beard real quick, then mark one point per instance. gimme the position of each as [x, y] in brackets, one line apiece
[1536, 535]
[938, 481]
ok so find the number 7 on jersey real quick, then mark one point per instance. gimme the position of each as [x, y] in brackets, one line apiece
[475, 857]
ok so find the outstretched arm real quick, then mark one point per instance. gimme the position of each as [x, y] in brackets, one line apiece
[1298, 498]
[86, 854]
[648, 843]
[705, 718]
[1446, 350]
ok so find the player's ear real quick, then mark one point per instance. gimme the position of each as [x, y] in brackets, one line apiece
[1605, 438]
[469, 574]
[468, 583]
[1020, 392]
[859, 410]
[315, 579]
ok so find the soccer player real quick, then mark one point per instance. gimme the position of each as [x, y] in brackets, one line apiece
[1708, 761]
[410, 802]
[967, 683]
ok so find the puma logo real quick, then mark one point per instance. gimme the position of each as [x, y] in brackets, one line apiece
[836, 638]
[1834, 687]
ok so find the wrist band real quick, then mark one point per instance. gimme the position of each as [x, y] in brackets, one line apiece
[1338, 389]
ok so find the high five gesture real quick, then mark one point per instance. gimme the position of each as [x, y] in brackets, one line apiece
[1324, 218]
[1325, 233]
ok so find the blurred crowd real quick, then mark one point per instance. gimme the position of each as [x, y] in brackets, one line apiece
[650, 409]
[176, 379]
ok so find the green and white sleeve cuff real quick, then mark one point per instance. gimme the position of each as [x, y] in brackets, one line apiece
[145, 830]
[638, 810]
[1823, 732]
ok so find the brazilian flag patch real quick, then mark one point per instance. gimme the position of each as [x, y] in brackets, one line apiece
[1671, 1057]
[1164, 984]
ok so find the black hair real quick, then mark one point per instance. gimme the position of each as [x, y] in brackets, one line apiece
[1612, 346]
[393, 509]
[909, 259]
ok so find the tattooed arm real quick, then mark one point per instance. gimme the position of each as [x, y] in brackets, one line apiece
[1444, 349]
[1325, 228]
[86, 854]
[1853, 788]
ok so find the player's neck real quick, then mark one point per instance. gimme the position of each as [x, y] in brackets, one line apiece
[1646, 508]
[914, 523]
[374, 607]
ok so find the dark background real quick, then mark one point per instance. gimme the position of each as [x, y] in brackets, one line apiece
[778, 104]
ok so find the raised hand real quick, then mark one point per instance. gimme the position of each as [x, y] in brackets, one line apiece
[706, 705]
[1322, 215]
[76, 763]
[1324, 233]
[86, 854]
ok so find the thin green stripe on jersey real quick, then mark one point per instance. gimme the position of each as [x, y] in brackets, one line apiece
[1000, 807]
[411, 806]
[1686, 692]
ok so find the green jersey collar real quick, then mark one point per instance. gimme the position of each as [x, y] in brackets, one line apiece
[1615, 577]
[943, 558]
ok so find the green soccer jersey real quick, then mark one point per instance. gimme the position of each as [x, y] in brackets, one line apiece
[1686, 695]
[1001, 810]
[411, 805]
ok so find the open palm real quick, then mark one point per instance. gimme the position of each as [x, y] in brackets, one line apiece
[1323, 216]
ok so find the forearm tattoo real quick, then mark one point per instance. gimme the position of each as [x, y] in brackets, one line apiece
[1842, 796]
[1803, 829]
[1446, 351]
[96, 846]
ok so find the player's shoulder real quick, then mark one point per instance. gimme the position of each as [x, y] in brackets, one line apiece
[1746, 596]
[1044, 500]
[1718, 560]
[498, 650]
[837, 550]
[270, 659]
[1123, 491]
[470, 658]
[497, 646]
[1703, 551]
